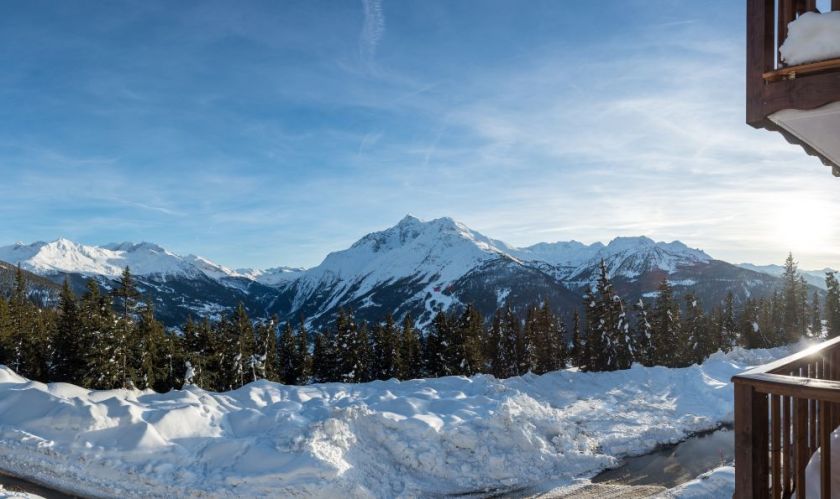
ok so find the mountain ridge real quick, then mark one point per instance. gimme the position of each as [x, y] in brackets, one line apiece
[414, 267]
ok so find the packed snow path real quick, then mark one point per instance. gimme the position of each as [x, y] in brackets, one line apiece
[379, 439]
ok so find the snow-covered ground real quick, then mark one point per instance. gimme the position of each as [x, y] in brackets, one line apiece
[719, 482]
[379, 439]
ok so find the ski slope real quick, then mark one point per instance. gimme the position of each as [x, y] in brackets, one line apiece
[379, 439]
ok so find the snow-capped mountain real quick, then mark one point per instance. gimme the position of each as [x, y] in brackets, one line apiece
[415, 267]
[276, 276]
[813, 277]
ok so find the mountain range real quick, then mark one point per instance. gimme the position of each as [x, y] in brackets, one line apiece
[415, 267]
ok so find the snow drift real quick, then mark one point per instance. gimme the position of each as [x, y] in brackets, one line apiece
[379, 439]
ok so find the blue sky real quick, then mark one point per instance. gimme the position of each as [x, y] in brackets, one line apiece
[267, 133]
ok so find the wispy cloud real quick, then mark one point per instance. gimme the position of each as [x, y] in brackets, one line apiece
[373, 29]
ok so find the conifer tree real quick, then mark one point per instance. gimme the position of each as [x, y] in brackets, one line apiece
[728, 325]
[696, 345]
[126, 296]
[792, 321]
[245, 361]
[100, 340]
[643, 331]
[511, 346]
[551, 341]
[410, 350]
[437, 343]
[535, 342]
[68, 362]
[666, 328]
[832, 305]
[816, 320]
[267, 365]
[609, 336]
[493, 344]
[466, 350]
[199, 343]
[578, 348]
[385, 361]
[303, 361]
[288, 356]
[150, 352]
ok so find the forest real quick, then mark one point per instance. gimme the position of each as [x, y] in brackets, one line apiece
[107, 340]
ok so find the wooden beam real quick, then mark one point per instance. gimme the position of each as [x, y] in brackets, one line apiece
[800, 435]
[776, 447]
[787, 363]
[751, 456]
[801, 70]
[792, 386]
[761, 52]
[825, 451]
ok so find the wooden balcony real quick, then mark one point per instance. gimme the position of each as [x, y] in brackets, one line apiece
[773, 87]
[784, 412]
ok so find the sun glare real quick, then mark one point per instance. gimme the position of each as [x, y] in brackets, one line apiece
[803, 225]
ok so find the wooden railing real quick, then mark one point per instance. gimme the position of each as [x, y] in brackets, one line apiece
[772, 86]
[784, 412]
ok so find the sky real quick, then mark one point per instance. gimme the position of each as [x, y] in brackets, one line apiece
[267, 133]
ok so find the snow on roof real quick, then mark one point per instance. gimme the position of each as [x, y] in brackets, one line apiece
[812, 37]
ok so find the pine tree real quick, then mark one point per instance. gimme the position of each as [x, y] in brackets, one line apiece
[437, 343]
[609, 334]
[466, 350]
[697, 345]
[67, 363]
[245, 361]
[793, 320]
[385, 361]
[100, 339]
[643, 331]
[666, 328]
[150, 351]
[411, 358]
[578, 348]
[728, 325]
[199, 343]
[592, 343]
[493, 357]
[831, 310]
[303, 361]
[549, 334]
[288, 357]
[267, 365]
[510, 347]
[126, 296]
[816, 322]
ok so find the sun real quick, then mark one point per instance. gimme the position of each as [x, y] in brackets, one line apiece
[803, 225]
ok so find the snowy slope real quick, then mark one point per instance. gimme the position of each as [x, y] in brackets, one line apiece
[275, 277]
[379, 439]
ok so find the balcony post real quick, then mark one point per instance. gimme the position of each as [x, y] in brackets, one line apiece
[751, 443]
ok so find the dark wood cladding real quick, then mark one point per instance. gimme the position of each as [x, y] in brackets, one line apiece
[765, 20]
[784, 412]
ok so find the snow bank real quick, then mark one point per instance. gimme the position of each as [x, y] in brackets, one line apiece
[719, 482]
[812, 471]
[379, 439]
[9, 494]
[812, 37]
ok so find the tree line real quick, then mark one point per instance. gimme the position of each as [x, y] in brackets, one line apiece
[112, 340]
